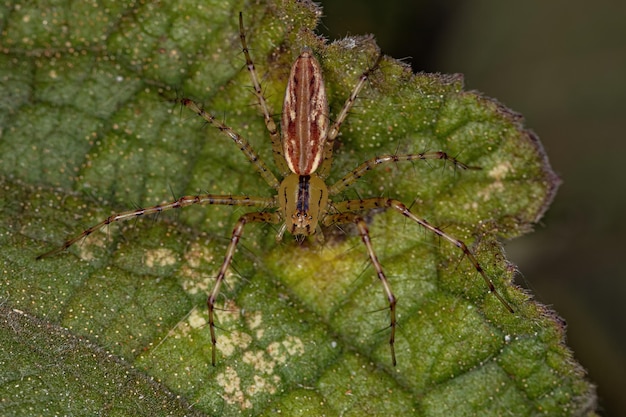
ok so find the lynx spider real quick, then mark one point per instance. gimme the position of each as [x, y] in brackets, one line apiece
[303, 155]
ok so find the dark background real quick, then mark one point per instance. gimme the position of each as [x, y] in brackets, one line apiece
[562, 64]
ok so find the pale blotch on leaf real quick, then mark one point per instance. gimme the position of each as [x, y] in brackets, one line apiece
[196, 319]
[235, 340]
[254, 320]
[231, 313]
[196, 254]
[197, 280]
[231, 384]
[500, 171]
[160, 257]
[85, 249]
[281, 351]
[294, 345]
[263, 385]
[258, 362]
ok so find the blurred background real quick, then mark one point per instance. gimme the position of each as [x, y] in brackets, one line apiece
[562, 64]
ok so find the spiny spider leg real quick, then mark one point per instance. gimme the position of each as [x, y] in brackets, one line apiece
[361, 225]
[260, 217]
[382, 202]
[207, 199]
[333, 131]
[373, 163]
[277, 146]
[243, 144]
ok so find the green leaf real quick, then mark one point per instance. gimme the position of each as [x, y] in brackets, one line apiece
[118, 323]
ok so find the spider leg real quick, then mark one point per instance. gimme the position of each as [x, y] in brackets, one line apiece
[361, 225]
[382, 202]
[206, 199]
[277, 147]
[352, 177]
[333, 130]
[257, 217]
[242, 143]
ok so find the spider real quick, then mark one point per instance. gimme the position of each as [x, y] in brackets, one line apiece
[303, 153]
